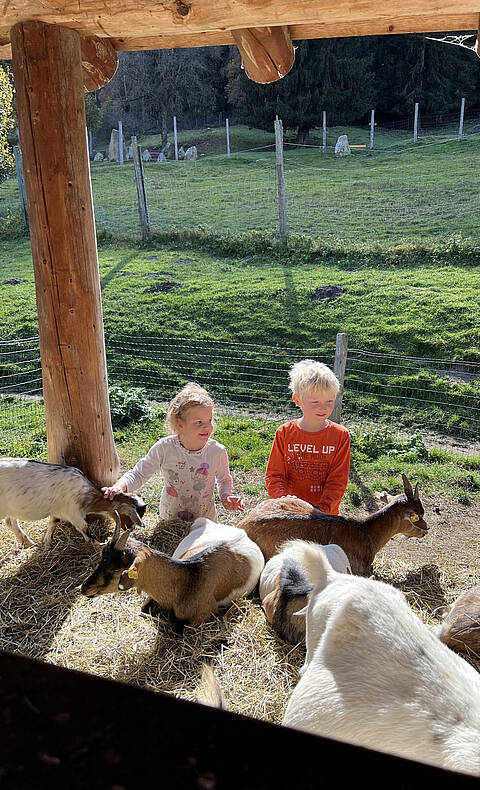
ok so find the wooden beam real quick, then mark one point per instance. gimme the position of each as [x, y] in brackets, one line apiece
[99, 62]
[267, 52]
[47, 67]
[375, 26]
[135, 19]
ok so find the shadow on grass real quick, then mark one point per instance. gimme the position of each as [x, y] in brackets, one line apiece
[114, 270]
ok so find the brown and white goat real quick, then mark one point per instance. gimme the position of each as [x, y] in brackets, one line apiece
[284, 586]
[33, 490]
[275, 521]
[212, 566]
[460, 629]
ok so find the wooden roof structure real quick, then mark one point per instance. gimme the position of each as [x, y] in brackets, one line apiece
[62, 48]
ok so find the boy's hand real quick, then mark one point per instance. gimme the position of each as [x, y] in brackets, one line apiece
[233, 503]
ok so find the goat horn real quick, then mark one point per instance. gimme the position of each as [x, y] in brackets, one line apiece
[406, 485]
[116, 534]
[122, 540]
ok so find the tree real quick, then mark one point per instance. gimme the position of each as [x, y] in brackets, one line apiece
[332, 74]
[6, 121]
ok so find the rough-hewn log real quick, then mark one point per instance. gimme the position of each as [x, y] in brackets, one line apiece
[47, 65]
[267, 52]
[156, 38]
[99, 61]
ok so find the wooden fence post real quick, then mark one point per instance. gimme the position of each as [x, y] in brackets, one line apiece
[372, 127]
[282, 203]
[415, 124]
[175, 138]
[142, 195]
[324, 125]
[21, 183]
[462, 115]
[120, 142]
[339, 370]
[228, 136]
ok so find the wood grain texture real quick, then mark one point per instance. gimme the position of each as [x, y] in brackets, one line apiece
[150, 24]
[267, 52]
[99, 62]
[47, 67]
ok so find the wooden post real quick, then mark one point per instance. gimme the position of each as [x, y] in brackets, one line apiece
[324, 125]
[415, 124]
[372, 127]
[228, 136]
[175, 136]
[462, 115]
[21, 183]
[120, 142]
[142, 195]
[282, 203]
[47, 66]
[339, 370]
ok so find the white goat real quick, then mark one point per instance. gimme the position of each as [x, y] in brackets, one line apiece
[284, 586]
[33, 490]
[211, 567]
[375, 675]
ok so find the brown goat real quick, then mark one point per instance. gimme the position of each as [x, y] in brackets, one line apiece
[460, 629]
[274, 521]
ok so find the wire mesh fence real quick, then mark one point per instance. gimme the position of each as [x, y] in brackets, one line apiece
[390, 192]
[438, 399]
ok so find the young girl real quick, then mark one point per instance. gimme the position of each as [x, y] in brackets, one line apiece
[189, 460]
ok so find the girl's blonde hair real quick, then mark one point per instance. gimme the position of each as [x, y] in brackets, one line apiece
[190, 396]
[309, 375]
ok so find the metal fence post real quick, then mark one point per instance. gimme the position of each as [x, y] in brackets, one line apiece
[415, 124]
[339, 370]
[21, 183]
[324, 126]
[462, 115]
[372, 127]
[120, 142]
[228, 136]
[142, 195]
[175, 138]
[282, 203]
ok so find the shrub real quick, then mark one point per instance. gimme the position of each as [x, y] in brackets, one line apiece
[127, 405]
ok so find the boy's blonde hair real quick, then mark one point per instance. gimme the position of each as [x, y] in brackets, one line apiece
[309, 375]
[190, 396]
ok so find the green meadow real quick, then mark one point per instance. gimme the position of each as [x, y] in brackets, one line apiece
[383, 246]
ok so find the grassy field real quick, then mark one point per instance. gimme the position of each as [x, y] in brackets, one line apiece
[387, 195]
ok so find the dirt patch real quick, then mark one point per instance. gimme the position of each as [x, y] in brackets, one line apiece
[164, 287]
[127, 274]
[329, 292]
[13, 281]
[184, 260]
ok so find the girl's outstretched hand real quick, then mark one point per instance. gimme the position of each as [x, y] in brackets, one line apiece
[233, 503]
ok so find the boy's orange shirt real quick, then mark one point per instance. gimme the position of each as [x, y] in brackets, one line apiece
[313, 466]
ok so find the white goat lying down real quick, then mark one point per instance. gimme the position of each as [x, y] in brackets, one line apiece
[375, 675]
[32, 490]
[212, 566]
[284, 586]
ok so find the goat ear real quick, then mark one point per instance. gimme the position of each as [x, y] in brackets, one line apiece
[125, 582]
[136, 519]
[407, 486]
[416, 495]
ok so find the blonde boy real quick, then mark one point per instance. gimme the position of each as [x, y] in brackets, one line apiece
[310, 457]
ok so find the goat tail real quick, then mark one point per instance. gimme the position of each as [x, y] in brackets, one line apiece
[209, 691]
[316, 565]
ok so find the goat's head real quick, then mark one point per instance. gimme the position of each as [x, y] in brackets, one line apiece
[116, 558]
[412, 511]
[131, 509]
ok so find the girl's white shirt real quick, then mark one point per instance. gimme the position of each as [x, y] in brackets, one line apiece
[189, 477]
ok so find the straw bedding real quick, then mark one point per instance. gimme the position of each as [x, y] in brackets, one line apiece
[44, 615]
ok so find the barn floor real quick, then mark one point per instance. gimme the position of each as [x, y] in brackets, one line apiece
[43, 615]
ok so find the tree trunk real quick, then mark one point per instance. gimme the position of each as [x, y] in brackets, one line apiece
[302, 135]
[164, 128]
[47, 65]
